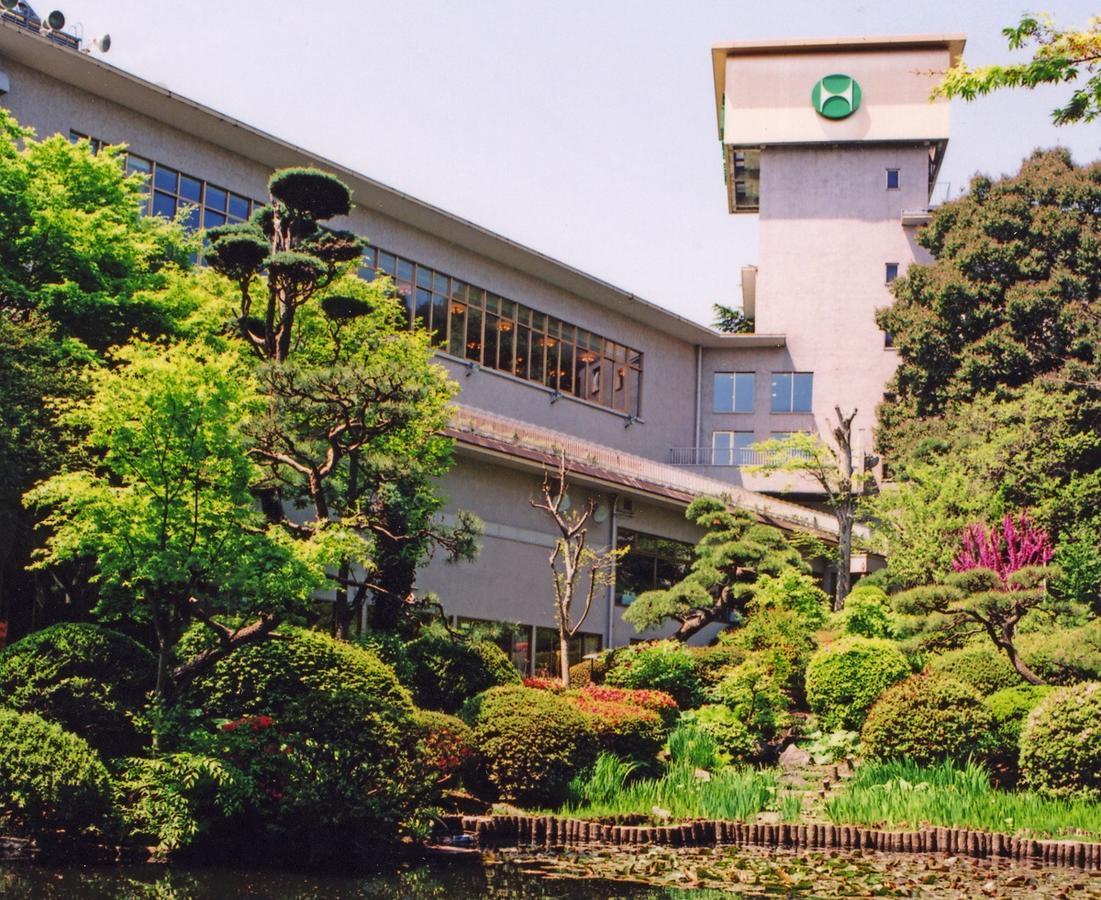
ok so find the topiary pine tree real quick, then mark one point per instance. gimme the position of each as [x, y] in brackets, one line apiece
[352, 428]
[1000, 575]
[727, 562]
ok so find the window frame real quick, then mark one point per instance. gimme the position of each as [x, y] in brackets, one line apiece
[898, 179]
[734, 394]
[791, 393]
[888, 269]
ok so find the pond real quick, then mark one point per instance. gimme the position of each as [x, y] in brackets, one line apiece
[573, 875]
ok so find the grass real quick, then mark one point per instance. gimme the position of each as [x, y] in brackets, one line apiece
[733, 794]
[903, 794]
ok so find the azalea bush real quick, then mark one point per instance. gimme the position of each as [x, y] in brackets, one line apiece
[659, 665]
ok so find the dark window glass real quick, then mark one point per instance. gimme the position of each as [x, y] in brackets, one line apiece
[190, 189]
[387, 263]
[890, 272]
[439, 319]
[238, 207]
[213, 219]
[550, 374]
[405, 270]
[165, 179]
[439, 283]
[802, 387]
[565, 368]
[424, 277]
[489, 352]
[457, 342]
[164, 205]
[894, 179]
[474, 333]
[650, 563]
[523, 351]
[506, 331]
[215, 198]
[424, 307]
[191, 220]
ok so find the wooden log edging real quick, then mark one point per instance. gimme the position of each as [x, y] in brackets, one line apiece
[555, 831]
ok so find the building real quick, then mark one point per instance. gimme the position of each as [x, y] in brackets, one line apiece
[651, 409]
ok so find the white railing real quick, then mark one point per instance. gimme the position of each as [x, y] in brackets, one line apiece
[524, 435]
[728, 456]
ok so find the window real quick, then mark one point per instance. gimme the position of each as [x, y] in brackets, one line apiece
[547, 654]
[791, 391]
[651, 563]
[96, 143]
[734, 392]
[498, 333]
[888, 339]
[731, 448]
[894, 179]
[513, 639]
[890, 272]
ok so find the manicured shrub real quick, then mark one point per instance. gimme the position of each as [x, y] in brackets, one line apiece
[656, 701]
[49, 778]
[927, 718]
[867, 613]
[785, 636]
[754, 692]
[844, 679]
[531, 743]
[593, 671]
[793, 590]
[661, 666]
[267, 677]
[1061, 742]
[88, 679]
[1009, 708]
[980, 665]
[390, 648]
[622, 728]
[735, 742]
[713, 661]
[447, 743]
[448, 670]
[1065, 656]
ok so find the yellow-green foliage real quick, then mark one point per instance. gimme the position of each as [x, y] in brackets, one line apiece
[1009, 708]
[1061, 742]
[982, 666]
[846, 678]
[925, 719]
[531, 743]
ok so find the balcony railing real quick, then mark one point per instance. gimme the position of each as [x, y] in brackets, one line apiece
[24, 17]
[735, 456]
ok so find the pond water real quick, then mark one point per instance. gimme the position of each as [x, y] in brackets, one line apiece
[573, 875]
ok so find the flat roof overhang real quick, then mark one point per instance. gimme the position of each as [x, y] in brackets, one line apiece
[954, 43]
[96, 77]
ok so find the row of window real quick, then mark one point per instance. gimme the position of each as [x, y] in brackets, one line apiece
[533, 649]
[735, 392]
[481, 327]
[466, 321]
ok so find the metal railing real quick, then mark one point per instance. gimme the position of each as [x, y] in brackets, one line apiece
[526, 436]
[24, 17]
[730, 456]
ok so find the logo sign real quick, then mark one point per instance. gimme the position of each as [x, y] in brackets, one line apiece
[836, 96]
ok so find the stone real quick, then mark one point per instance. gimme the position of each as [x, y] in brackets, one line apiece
[793, 757]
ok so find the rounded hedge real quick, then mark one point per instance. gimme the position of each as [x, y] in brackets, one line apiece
[623, 728]
[447, 671]
[1061, 742]
[311, 191]
[49, 778]
[735, 741]
[531, 743]
[1066, 656]
[88, 679]
[447, 743]
[927, 718]
[659, 666]
[844, 679]
[269, 676]
[867, 613]
[980, 665]
[1009, 708]
[713, 661]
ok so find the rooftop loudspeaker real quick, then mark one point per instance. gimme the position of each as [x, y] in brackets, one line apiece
[9, 5]
[102, 43]
[55, 21]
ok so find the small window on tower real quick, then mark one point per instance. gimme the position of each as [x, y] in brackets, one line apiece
[894, 179]
[890, 272]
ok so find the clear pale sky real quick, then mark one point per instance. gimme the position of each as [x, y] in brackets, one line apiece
[582, 128]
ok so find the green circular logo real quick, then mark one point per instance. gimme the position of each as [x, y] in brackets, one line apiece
[836, 96]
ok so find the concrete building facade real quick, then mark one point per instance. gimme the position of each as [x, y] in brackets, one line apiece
[553, 360]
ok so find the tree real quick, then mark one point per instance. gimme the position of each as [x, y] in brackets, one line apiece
[1059, 57]
[1011, 297]
[833, 470]
[355, 410]
[163, 504]
[576, 566]
[80, 270]
[731, 320]
[727, 561]
[1000, 575]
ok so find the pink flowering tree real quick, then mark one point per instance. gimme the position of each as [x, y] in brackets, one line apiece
[1000, 574]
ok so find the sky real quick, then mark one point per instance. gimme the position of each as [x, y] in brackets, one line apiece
[582, 128]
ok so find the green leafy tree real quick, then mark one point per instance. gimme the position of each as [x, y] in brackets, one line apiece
[731, 320]
[1010, 298]
[727, 562]
[1060, 56]
[832, 468]
[163, 504]
[80, 269]
[354, 414]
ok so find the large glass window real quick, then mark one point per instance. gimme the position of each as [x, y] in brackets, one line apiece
[734, 392]
[731, 448]
[548, 657]
[499, 333]
[791, 391]
[651, 563]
